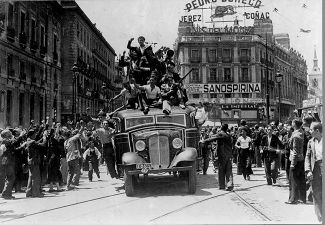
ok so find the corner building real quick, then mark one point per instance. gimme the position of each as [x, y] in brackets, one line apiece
[30, 62]
[85, 45]
[230, 69]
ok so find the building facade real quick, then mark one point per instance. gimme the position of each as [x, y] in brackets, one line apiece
[30, 62]
[84, 44]
[230, 67]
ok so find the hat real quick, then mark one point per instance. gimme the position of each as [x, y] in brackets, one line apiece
[6, 134]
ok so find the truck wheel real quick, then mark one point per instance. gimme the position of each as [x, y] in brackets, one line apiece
[128, 183]
[192, 179]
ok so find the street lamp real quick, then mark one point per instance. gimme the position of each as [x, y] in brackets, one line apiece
[278, 79]
[75, 70]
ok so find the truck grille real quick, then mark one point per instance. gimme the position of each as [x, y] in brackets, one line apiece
[159, 151]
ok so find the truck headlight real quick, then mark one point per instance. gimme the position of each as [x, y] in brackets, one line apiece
[177, 143]
[140, 145]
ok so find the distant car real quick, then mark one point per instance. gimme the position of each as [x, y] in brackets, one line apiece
[156, 143]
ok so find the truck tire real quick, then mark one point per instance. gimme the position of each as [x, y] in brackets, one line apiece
[192, 179]
[128, 183]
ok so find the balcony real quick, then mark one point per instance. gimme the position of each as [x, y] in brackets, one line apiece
[33, 46]
[22, 40]
[43, 51]
[22, 76]
[55, 57]
[226, 59]
[244, 59]
[11, 33]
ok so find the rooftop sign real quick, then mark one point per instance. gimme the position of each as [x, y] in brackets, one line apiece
[195, 4]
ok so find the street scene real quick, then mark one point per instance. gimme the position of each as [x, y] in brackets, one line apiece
[161, 112]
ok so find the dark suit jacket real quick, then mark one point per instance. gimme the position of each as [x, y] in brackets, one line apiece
[274, 144]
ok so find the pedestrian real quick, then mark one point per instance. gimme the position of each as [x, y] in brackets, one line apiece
[92, 156]
[269, 150]
[72, 155]
[313, 166]
[204, 146]
[105, 135]
[244, 144]
[224, 154]
[297, 182]
[7, 164]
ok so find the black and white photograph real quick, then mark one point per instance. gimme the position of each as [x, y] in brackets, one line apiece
[161, 112]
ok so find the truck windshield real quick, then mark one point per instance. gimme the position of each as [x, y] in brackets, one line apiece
[136, 121]
[172, 119]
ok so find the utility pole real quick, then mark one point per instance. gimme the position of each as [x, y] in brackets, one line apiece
[267, 86]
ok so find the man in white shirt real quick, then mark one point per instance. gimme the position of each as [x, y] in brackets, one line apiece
[152, 94]
[313, 166]
[201, 114]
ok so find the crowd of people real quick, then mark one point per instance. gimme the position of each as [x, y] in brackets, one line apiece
[295, 147]
[152, 80]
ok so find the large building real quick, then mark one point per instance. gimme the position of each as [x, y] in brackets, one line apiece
[30, 62]
[230, 66]
[84, 44]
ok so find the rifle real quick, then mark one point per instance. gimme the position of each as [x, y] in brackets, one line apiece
[185, 76]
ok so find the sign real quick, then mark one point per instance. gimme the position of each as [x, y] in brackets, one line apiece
[196, 4]
[239, 106]
[224, 88]
[226, 29]
[257, 15]
[222, 11]
[191, 18]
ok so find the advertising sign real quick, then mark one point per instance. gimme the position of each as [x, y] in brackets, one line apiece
[224, 88]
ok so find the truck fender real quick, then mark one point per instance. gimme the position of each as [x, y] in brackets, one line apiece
[130, 158]
[188, 154]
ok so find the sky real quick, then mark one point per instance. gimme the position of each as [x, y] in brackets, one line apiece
[157, 20]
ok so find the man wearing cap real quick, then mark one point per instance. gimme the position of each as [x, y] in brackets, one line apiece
[105, 135]
[7, 163]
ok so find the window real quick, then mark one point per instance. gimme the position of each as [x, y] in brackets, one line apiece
[226, 53]
[22, 69]
[244, 75]
[196, 95]
[172, 119]
[227, 74]
[42, 36]
[22, 21]
[55, 39]
[32, 71]
[9, 107]
[244, 52]
[33, 30]
[10, 69]
[21, 108]
[78, 31]
[31, 106]
[195, 55]
[195, 78]
[213, 75]
[137, 121]
[212, 55]
[10, 15]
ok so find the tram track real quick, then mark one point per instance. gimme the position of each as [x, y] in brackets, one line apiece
[157, 218]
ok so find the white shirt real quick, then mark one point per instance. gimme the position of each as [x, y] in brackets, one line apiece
[2, 149]
[244, 142]
[201, 115]
[319, 149]
[152, 93]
